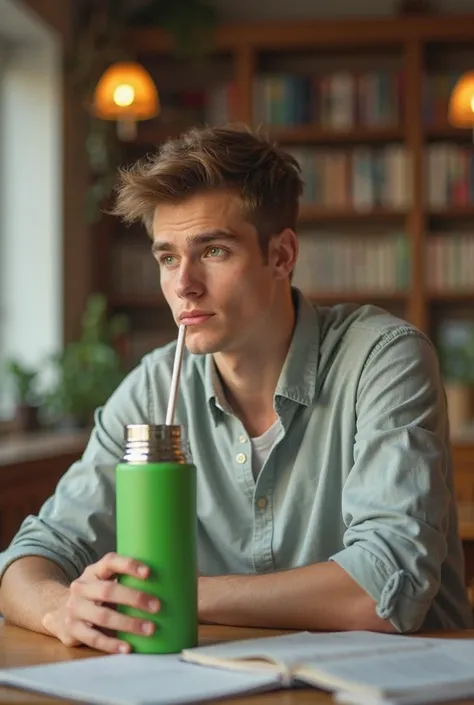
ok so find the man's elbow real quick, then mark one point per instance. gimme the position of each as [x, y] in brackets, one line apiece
[365, 617]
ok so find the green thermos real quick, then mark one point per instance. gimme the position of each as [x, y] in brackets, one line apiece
[156, 524]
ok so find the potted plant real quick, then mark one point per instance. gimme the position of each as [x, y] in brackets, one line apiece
[456, 356]
[24, 380]
[88, 370]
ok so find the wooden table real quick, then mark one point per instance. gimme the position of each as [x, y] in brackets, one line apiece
[19, 647]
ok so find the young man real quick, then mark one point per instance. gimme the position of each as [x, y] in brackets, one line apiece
[320, 436]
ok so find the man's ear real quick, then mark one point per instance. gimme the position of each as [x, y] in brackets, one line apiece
[283, 253]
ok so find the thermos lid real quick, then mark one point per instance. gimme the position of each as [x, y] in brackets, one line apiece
[154, 443]
[141, 433]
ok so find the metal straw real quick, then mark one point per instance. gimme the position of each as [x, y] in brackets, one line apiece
[178, 358]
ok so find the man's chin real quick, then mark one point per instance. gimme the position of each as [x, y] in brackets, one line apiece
[200, 344]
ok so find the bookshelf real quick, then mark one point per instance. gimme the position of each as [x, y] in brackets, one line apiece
[389, 80]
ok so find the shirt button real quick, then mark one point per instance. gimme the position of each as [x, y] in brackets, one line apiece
[243, 439]
[241, 458]
[262, 503]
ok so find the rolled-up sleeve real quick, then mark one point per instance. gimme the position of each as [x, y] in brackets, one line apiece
[395, 501]
[76, 525]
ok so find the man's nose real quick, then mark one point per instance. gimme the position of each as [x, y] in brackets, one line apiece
[188, 283]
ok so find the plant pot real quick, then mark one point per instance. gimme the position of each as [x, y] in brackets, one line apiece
[460, 400]
[26, 418]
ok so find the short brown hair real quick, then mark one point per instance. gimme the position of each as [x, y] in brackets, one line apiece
[265, 178]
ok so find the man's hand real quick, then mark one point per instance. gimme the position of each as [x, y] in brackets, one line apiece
[88, 608]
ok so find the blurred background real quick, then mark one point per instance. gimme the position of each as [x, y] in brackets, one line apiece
[375, 99]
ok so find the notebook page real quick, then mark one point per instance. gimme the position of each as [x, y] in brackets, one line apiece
[447, 663]
[135, 679]
[292, 649]
[419, 697]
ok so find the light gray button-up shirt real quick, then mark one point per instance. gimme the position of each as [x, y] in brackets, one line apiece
[360, 472]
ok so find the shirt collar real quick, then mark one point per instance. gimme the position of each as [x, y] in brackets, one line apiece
[297, 381]
[214, 391]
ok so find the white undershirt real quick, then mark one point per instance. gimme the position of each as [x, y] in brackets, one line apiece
[262, 445]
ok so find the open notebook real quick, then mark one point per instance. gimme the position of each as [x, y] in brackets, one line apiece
[361, 667]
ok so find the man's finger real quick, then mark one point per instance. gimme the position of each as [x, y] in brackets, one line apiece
[84, 610]
[113, 593]
[95, 639]
[113, 564]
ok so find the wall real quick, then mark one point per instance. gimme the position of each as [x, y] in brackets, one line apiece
[54, 13]
[76, 239]
[31, 188]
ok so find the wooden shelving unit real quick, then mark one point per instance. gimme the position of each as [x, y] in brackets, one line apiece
[452, 213]
[310, 214]
[448, 297]
[240, 52]
[410, 40]
[446, 131]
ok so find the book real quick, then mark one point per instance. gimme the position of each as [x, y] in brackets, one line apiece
[288, 654]
[435, 675]
[358, 667]
[136, 679]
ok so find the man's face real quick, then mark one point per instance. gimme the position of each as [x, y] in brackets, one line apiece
[213, 274]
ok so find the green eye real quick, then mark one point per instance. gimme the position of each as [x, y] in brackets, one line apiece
[167, 260]
[215, 251]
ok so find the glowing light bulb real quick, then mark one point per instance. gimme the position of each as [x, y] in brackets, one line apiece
[124, 95]
[472, 103]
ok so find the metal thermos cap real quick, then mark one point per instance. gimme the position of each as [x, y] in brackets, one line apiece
[150, 443]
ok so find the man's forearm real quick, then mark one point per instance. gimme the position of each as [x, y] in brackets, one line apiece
[31, 587]
[316, 597]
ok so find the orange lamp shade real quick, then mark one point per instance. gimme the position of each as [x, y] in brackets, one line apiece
[461, 102]
[126, 91]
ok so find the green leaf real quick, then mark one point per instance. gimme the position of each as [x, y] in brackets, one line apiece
[89, 369]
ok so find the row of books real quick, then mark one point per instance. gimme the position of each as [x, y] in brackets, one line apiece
[450, 262]
[346, 263]
[449, 175]
[340, 100]
[134, 271]
[361, 178]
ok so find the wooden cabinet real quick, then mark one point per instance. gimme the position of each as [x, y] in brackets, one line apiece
[463, 456]
[30, 468]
